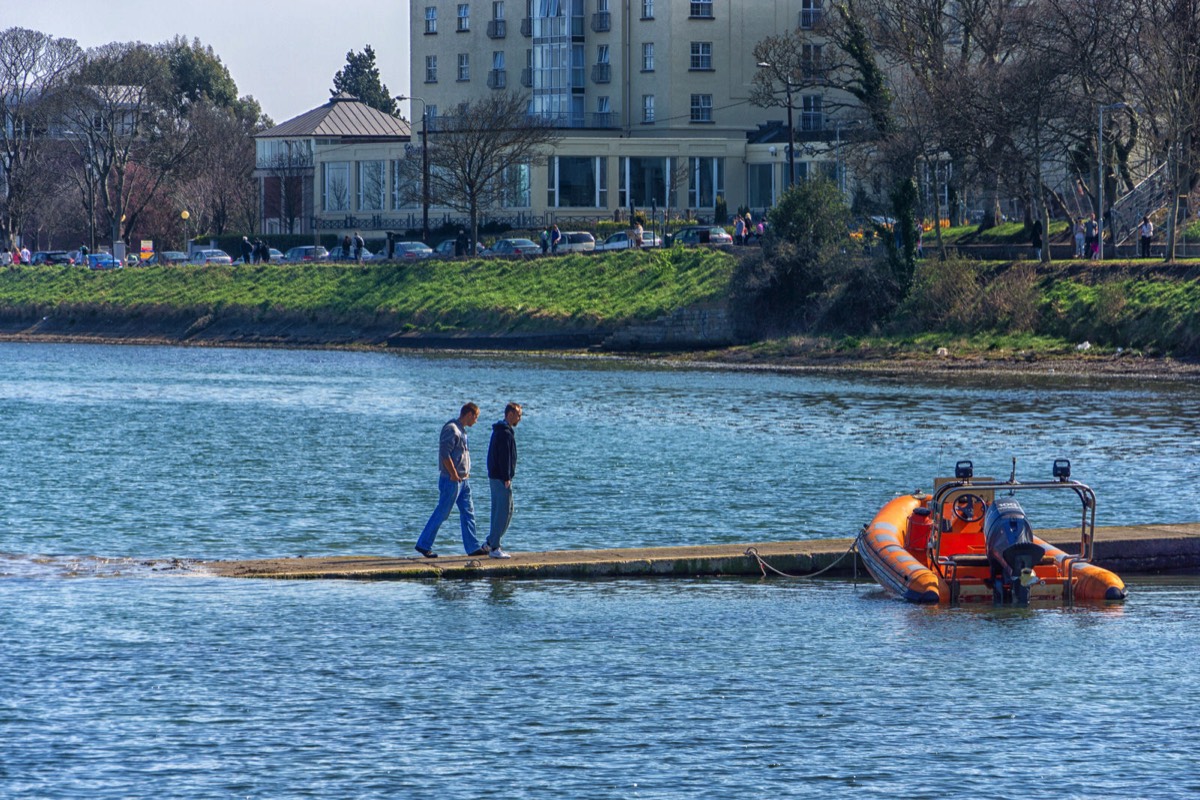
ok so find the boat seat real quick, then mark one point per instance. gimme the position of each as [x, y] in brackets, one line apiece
[972, 560]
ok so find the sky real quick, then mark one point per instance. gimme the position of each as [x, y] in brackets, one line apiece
[283, 52]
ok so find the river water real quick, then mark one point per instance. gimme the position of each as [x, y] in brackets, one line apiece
[122, 675]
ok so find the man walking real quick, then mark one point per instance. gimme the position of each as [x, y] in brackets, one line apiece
[502, 465]
[454, 467]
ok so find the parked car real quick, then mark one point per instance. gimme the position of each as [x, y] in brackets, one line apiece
[513, 247]
[621, 240]
[168, 257]
[336, 254]
[306, 253]
[211, 257]
[102, 261]
[576, 242]
[445, 249]
[702, 234]
[411, 251]
[274, 256]
[52, 257]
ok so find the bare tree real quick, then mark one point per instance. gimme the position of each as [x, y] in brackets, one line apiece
[126, 131]
[33, 67]
[286, 165]
[471, 149]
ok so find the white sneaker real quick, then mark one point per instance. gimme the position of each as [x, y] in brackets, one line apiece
[498, 553]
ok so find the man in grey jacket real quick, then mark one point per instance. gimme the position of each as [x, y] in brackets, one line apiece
[454, 467]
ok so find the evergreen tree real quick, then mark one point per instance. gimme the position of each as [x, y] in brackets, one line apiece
[360, 77]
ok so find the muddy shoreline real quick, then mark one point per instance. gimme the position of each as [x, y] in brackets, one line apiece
[318, 336]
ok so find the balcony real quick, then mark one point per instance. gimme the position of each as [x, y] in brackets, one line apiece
[810, 18]
[601, 73]
[812, 121]
[497, 29]
[497, 79]
[600, 120]
[602, 21]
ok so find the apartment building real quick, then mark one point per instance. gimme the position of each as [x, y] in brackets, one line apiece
[652, 96]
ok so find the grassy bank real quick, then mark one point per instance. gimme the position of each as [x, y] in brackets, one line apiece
[481, 295]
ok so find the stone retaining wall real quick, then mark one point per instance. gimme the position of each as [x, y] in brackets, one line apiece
[698, 326]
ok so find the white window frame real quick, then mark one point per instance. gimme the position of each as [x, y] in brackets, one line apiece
[647, 56]
[701, 60]
[335, 193]
[647, 9]
[464, 17]
[431, 19]
[431, 69]
[647, 109]
[701, 108]
[464, 67]
[375, 200]
[701, 9]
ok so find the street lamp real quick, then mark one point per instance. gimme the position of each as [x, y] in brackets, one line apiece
[424, 166]
[184, 215]
[1100, 176]
[787, 89]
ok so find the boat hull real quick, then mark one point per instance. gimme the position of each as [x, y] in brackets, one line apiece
[907, 574]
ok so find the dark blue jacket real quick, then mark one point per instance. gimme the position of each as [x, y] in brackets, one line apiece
[502, 452]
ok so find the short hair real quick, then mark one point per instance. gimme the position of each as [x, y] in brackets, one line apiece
[512, 407]
[468, 408]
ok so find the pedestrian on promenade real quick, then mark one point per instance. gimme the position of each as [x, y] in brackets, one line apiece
[1090, 238]
[638, 233]
[1146, 235]
[555, 238]
[247, 250]
[1079, 239]
[545, 239]
[346, 247]
[461, 243]
[1036, 237]
[454, 468]
[739, 231]
[358, 247]
[501, 466]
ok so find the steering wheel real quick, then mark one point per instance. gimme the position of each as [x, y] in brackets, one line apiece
[969, 507]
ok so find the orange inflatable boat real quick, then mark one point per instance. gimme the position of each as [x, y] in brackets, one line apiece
[970, 541]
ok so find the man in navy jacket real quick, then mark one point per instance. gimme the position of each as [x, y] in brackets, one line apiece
[501, 466]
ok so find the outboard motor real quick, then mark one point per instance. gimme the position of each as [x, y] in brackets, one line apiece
[1010, 549]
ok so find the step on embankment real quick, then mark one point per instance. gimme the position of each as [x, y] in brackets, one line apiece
[1124, 549]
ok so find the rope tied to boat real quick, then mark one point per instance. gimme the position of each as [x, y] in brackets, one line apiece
[763, 566]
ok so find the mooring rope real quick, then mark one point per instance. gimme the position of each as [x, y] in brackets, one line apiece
[764, 566]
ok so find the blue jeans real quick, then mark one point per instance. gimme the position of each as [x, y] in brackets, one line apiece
[450, 493]
[502, 511]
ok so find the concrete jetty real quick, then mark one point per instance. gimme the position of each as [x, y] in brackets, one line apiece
[1126, 550]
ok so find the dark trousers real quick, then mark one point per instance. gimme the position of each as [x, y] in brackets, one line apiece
[1145, 241]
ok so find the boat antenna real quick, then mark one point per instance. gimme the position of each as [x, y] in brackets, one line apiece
[1012, 477]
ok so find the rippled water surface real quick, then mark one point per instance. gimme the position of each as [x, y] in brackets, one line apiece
[122, 675]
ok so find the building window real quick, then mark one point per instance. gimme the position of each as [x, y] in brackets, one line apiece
[810, 61]
[337, 186]
[810, 13]
[647, 108]
[811, 116]
[578, 181]
[464, 66]
[431, 19]
[648, 57]
[706, 181]
[498, 9]
[370, 185]
[431, 69]
[399, 181]
[464, 16]
[645, 182]
[647, 9]
[760, 185]
[518, 187]
[602, 54]
[701, 108]
[701, 56]
[601, 6]
[702, 9]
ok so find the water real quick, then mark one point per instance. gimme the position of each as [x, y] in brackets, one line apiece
[122, 675]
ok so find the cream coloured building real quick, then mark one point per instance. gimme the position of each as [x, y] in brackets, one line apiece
[652, 96]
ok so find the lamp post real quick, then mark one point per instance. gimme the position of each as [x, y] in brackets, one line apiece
[183, 216]
[787, 90]
[1100, 177]
[424, 166]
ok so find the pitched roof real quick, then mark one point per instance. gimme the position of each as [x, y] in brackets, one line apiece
[344, 116]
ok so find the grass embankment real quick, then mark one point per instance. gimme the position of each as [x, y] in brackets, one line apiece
[490, 296]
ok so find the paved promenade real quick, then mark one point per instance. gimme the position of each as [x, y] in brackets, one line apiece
[1126, 550]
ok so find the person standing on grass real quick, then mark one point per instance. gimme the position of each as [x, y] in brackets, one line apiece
[1146, 235]
[501, 466]
[454, 468]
